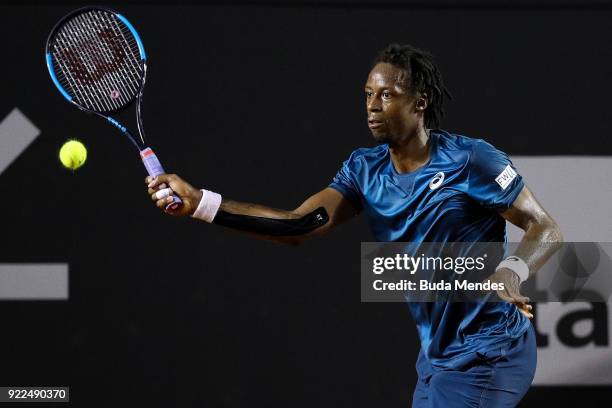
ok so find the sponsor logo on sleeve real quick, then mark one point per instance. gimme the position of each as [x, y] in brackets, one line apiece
[505, 177]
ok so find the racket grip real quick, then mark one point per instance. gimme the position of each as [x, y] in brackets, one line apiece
[154, 168]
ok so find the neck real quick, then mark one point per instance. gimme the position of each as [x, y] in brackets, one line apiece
[412, 153]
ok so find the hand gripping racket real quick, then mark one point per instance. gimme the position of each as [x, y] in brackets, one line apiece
[97, 61]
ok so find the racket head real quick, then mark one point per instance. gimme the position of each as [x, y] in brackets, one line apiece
[96, 59]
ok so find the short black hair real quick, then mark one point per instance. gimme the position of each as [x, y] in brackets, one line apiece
[424, 77]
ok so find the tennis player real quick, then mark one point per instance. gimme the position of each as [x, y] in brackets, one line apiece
[422, 184]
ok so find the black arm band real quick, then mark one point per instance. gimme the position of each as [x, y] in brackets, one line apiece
[273, 226]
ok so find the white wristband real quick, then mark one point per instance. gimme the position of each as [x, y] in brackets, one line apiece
[208, 206]
[517, 265]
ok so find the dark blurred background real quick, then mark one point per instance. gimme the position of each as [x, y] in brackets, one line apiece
[261, 102]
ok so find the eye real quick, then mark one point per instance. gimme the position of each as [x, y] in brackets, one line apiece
[368, 94]
[386, 94]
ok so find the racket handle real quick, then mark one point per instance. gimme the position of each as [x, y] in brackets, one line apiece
[154, 168]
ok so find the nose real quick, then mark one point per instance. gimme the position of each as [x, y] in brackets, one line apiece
[374, 104]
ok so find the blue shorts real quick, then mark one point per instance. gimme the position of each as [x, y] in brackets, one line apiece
[495, 379]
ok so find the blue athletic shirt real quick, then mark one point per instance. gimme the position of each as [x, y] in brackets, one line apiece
[454, 197]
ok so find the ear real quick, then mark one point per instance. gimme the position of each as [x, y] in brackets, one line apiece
[422, 102]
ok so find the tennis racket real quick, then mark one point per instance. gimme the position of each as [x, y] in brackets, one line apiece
[97, 61]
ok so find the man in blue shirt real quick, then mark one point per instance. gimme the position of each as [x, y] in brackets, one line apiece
[422, 184]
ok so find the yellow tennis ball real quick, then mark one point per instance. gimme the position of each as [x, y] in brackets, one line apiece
[73, 154]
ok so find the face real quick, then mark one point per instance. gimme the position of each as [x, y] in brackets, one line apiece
[393, 114]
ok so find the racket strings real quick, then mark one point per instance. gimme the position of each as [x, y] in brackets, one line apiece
[77, 63]
[130, 47]
[94, 59]
[127, 68]
[133, 67]
[91, 57]
[98, 58]
[77, 67]
[112, 82]
[119, 90]
[74, 82]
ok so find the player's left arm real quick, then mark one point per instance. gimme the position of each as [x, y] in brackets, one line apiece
[541, 239]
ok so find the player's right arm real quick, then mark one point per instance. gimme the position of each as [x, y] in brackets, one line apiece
[315, 216]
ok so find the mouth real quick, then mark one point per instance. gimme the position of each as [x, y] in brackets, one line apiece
[374, 124]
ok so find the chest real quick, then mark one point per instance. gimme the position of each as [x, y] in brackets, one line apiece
[389, 194]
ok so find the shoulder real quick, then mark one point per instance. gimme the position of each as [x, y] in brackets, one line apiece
[476, 149]
[453, 141]
[366, 156]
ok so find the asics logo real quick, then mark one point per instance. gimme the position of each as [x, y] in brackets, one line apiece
[436, 181]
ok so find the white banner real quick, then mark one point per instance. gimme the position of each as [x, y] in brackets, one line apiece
[573, 338]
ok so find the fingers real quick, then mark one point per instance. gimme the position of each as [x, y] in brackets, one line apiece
[157, 188]
[164, 189]
[153, 182]
[522, 302]
[526, 314]
[526, 310]
[161, 193]
[520, 299]
[512, 296]
[161, 204]
[523, 306]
